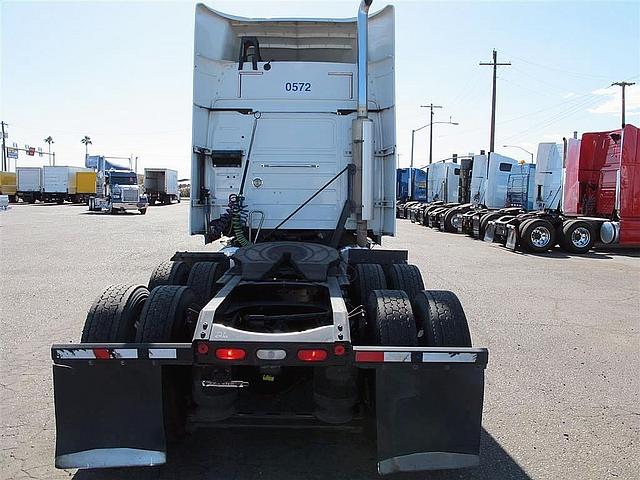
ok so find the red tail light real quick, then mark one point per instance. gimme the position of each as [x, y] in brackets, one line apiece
[230, 354]
[203, 348]
[316, 355]
[339, 350]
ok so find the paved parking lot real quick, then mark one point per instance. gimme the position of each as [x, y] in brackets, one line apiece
[562, 397]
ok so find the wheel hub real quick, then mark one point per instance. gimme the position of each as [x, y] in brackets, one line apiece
[581, 237]
[540, 236]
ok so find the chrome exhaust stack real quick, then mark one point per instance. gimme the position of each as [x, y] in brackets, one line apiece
[363, 134]
[363, 41]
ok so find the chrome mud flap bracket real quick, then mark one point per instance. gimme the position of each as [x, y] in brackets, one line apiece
[512, 237]
[108, 405]
[428, 406]
[490, 232]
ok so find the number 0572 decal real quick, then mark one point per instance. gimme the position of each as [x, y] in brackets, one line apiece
[297, 87]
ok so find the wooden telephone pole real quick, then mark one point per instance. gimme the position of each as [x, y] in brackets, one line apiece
[495, 66]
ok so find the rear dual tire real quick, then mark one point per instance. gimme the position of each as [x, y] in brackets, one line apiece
[113, 316]
[440, 319]
[390, 319]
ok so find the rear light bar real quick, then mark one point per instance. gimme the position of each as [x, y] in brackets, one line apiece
[265, 353]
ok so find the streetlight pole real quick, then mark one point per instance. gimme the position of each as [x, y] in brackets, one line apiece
[523, 149]
[413, 132]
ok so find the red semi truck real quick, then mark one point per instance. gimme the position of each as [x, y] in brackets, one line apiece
[601, 198]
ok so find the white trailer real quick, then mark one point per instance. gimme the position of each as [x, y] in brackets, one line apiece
[161, 185]
[296, 320]
[29, 183]
[55, 183]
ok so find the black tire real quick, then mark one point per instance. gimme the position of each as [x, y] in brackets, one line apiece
[143, 211]
[169, 273]
[368, 277]
[390, 319]
[448, 221]
[577, 236]
[441, 319]
[537, 235]
[202, 280]
[152, 201]
[60, 201]
[169, 316]
[401, 276]
[113, 316]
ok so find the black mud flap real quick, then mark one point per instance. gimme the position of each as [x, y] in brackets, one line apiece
[108, 414]
[429, 409]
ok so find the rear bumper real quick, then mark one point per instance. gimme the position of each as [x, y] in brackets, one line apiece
[108, 401]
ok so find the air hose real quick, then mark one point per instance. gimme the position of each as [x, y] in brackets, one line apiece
[238, 218]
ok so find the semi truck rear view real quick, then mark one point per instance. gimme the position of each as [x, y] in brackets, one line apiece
[296, 319]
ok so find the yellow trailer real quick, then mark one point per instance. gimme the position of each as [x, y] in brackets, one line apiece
[85, 186]
[8, 185]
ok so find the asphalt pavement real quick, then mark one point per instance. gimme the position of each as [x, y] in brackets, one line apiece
[562, 393]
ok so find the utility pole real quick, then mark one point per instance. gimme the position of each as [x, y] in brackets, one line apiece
[431, 107]
[495, 66]
[4, 151]
[623, 85]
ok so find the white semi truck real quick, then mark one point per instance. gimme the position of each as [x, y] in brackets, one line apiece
[296, 320]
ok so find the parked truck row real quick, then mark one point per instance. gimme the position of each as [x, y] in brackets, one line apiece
[578, 194]
[90, 185]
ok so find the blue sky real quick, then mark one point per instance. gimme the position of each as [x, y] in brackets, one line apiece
[121, 72]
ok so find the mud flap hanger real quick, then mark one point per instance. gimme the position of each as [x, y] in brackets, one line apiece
[428, 406]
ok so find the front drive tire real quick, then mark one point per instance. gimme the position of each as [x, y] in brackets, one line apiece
[368, 277]
[113, 316]
[169, 273]
[202, 280]
[441, 319]
[577, 236]
[390, 319]
[401, 276]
